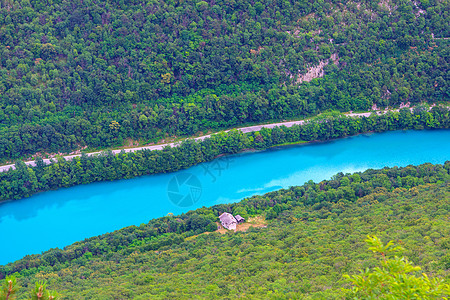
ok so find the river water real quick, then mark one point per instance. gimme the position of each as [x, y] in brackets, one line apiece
[59, 218]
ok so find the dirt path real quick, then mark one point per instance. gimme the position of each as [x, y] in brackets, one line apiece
[175, 144]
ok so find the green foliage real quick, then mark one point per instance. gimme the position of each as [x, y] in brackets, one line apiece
[302, 253]
[211, 227]
[40, 291]
[395, 278]
[25, 181]
[202, 5]
[69, 68]
[87, 73]
[8, 288]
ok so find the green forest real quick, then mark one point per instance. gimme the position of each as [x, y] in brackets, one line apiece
[314, 235]
[89, 75]
[99, 73]
[24, 181]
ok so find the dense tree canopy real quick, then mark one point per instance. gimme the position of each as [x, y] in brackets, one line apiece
[314, 236]
[25, 180]
[394, 277]
[95, 73]
[98, 74]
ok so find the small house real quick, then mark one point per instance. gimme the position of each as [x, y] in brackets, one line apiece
[228, 221]
[239, 219]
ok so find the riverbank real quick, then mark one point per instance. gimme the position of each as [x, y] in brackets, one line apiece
[157, 233]
[109, 166]
[248, 129]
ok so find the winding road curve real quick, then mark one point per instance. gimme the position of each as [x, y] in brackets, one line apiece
[161, 146]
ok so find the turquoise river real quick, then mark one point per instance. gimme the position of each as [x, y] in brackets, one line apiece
[59, 218]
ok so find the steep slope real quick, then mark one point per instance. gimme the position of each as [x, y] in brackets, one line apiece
[26, 180]
[95, 73]
[314, 235]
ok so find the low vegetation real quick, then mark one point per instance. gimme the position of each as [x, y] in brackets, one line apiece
[95, 73]
[394, 278]
[25, 181]
[91, 74]
[314, 236]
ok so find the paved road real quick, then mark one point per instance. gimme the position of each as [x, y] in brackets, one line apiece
[161, 146]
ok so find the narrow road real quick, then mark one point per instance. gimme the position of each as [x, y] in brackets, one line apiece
[161, 146]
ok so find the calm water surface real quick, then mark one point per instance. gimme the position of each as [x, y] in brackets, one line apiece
[59, 218]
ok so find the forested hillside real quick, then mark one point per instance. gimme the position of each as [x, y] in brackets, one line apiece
[24, 181]
[96, 73]
[315, 233]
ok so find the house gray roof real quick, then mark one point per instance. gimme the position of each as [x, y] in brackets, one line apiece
[239, 218]
[228, 221]
[227, 218]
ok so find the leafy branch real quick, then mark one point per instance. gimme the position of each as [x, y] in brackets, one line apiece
[395, 278]
[40, 292]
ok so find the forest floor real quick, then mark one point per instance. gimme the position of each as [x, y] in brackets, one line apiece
[175, 144]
